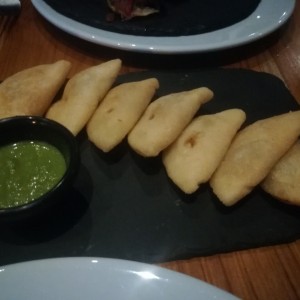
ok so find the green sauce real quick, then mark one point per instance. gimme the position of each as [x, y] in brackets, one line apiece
[28, 169]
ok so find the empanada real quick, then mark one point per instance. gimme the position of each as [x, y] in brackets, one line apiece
[283, 181]
[31, 91]
[82, 94]
[197, 152]
[119, 111]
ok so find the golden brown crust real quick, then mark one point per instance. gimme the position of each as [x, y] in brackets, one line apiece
[31, 91]
[283, 181]
[252, 154]
[195, 155]
[119, 111]
[82, 95]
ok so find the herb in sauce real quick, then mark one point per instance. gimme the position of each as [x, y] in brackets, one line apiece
[28, 169]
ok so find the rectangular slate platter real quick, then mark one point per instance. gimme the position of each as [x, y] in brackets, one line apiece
[124, 206]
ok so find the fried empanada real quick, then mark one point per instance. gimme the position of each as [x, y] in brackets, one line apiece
[119, 111]
[197, 152]
[252, 154]
[31, 91]
[82, 94]
[164, 119]
[283, 181]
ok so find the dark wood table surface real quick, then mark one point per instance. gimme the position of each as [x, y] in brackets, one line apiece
[272, 272]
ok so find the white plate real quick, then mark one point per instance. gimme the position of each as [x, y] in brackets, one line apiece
[100, 278]
[269, 15]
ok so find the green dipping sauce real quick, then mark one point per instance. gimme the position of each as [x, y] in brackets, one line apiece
[28, 169]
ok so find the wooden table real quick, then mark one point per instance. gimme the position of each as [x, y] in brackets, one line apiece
[265, 273]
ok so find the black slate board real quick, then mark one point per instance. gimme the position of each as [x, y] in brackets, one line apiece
[176, 17]
[124, 206]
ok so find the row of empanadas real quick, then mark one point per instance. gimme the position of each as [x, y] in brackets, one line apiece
[32, 91]
[208, 148]
[150, 128]
[213, 149]
[109, 113]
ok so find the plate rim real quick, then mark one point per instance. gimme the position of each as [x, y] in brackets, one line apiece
[103, 264]
[269, 16]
